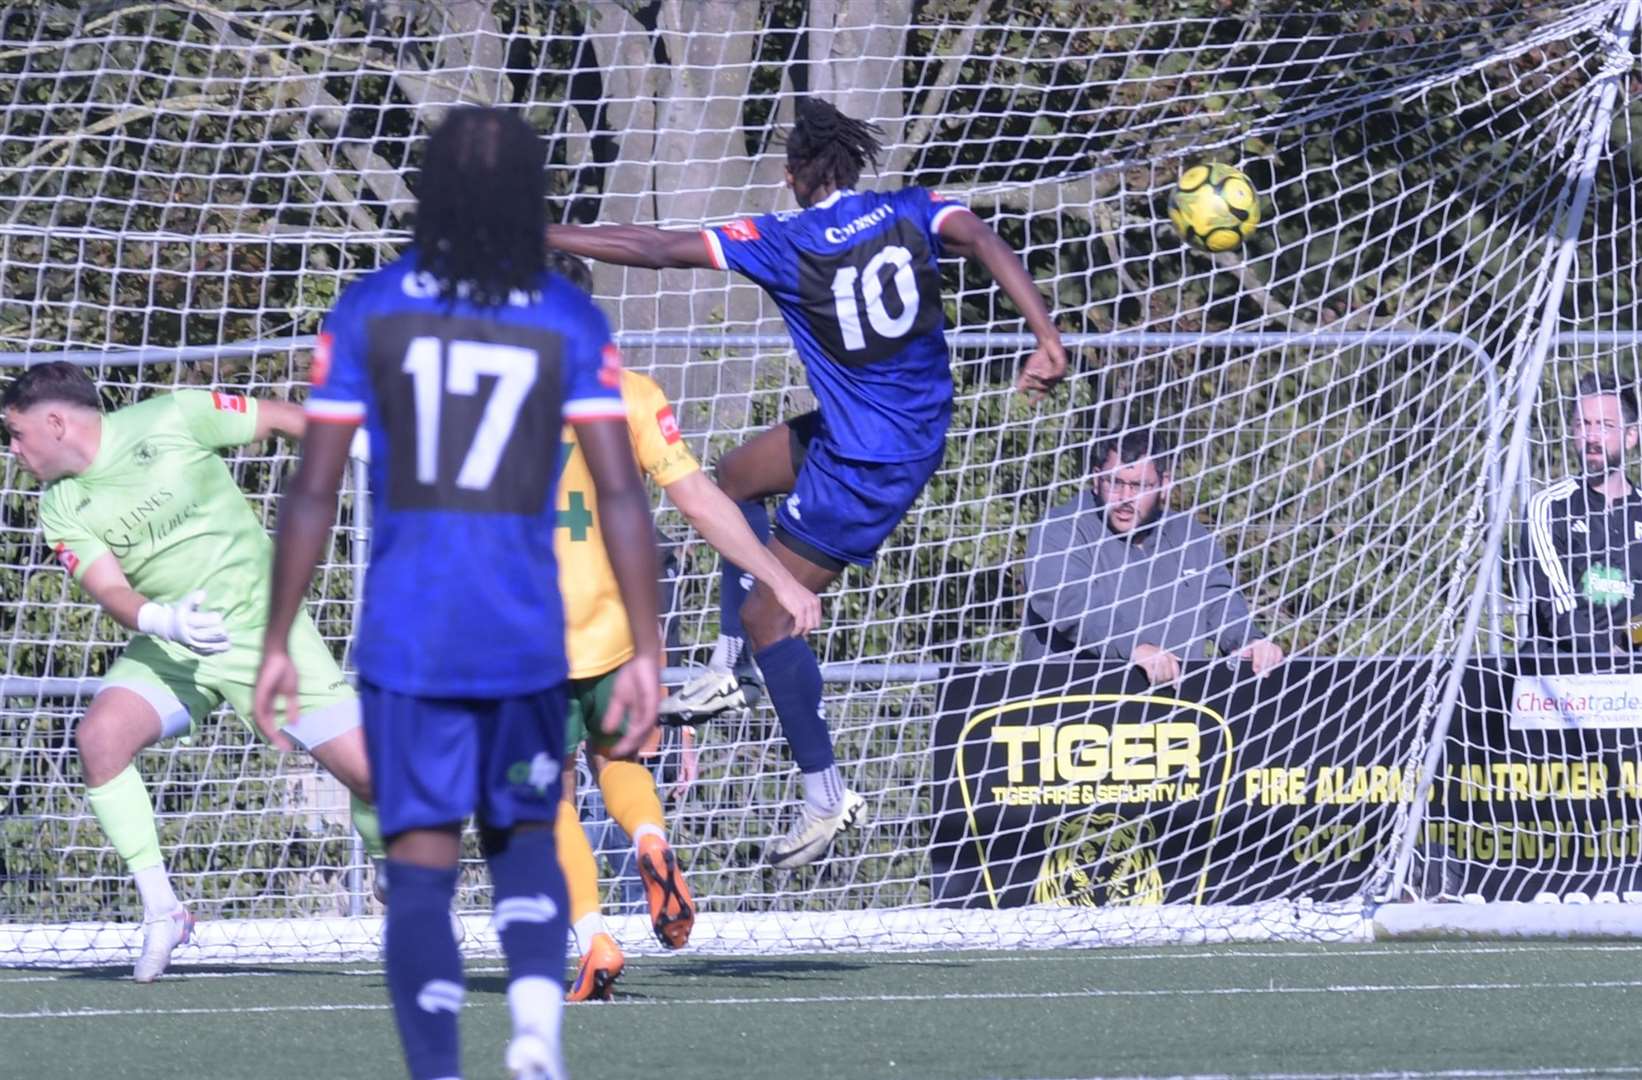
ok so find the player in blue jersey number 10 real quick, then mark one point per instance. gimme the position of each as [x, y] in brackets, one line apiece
[462, 360]
[856, 278]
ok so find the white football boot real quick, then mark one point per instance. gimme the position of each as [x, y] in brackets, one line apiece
[529, 1057]
[161, 935]
[812, 833]
[714, 692]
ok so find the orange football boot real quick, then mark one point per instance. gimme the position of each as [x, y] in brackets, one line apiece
[672, 913]
[600, 968]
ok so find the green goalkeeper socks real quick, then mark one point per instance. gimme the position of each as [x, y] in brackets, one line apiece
[370, 830]
[123, 809]
[126, 814]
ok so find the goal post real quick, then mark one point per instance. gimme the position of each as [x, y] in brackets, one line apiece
[1363, 398]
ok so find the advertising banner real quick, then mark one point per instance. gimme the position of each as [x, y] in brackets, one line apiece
[1082, 784]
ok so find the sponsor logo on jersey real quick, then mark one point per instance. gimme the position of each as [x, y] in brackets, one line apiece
[837, 234]
[792, 508]
[742, 229]
[144, 453]
[320, 369]
[610, 367]
[1605, 585]
[229, 402]
[70, 561]
[668, 423]
[1580, 527]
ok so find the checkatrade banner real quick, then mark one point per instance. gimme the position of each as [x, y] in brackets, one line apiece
[1081, 784]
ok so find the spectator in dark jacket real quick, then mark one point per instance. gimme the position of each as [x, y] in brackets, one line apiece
[1113, 574]
[1582, 542]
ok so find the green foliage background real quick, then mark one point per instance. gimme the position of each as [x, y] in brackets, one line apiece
[188, 174]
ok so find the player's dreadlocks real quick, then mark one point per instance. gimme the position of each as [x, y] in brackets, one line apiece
[570, 268]
[827, 147]
[481, 208]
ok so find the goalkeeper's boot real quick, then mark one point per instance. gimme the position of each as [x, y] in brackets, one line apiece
[812, 833]
[531, 1057]
[672, 912]
[161, 935]
[712, 693]
[600, 968]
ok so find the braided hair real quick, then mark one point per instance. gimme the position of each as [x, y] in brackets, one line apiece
[481, 206]
[826, 147]
[571, 268]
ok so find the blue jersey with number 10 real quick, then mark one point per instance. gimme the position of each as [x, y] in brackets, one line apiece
[857, 281]
[465, 407]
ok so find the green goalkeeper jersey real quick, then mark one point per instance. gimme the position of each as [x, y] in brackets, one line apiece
[161, 500]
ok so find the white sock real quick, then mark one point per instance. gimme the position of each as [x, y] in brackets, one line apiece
[536, 1004]
[726, 653]
[824, 790]
[584, 929]
[154, 886]
[644, 830]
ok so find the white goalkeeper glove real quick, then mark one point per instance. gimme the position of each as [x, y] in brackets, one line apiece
[184, 623]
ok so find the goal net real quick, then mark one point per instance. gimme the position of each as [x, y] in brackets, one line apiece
[1363, 399]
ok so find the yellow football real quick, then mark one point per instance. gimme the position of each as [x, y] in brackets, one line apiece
[1214, 207]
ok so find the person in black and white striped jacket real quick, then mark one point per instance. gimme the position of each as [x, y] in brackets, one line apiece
[1582, 540]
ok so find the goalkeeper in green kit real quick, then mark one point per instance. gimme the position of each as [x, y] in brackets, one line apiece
[142, 511]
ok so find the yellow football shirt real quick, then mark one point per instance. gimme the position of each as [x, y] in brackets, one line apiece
[596, 635]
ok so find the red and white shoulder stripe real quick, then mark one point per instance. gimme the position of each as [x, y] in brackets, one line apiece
[715, 249]
[946, 211]
[586, 410]
[329, 411]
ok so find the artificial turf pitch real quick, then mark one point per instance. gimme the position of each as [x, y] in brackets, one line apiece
[1429, 1010]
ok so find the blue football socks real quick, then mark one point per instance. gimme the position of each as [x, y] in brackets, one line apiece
[532, 916]
[736, 583]
[792, 678]
[425, 969]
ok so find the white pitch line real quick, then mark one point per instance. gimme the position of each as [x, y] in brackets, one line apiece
[1189, 953]
[886, 999]
[189, 976]
[1182, 953]
[1518, 1073]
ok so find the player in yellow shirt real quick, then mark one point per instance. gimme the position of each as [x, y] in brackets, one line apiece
[598, 643]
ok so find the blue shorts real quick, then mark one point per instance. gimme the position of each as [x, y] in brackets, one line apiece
[434, 761]
[841, 510]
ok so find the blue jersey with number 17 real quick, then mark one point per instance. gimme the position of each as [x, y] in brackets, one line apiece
[857, 281]
[465, 406]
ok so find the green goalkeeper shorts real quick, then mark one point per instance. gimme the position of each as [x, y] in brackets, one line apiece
[588, 700]
[185, 687]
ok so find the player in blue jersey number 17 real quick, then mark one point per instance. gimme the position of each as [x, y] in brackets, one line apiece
[856, 278]
[462, 360]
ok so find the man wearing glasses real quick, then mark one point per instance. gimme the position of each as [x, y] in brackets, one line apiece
[1582, 542]
[1113, 574]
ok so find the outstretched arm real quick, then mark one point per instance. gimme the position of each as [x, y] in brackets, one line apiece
[634, 245]
[721, 524]
[305, 516]
[966, 235]
[629, 541]
[276, 417]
